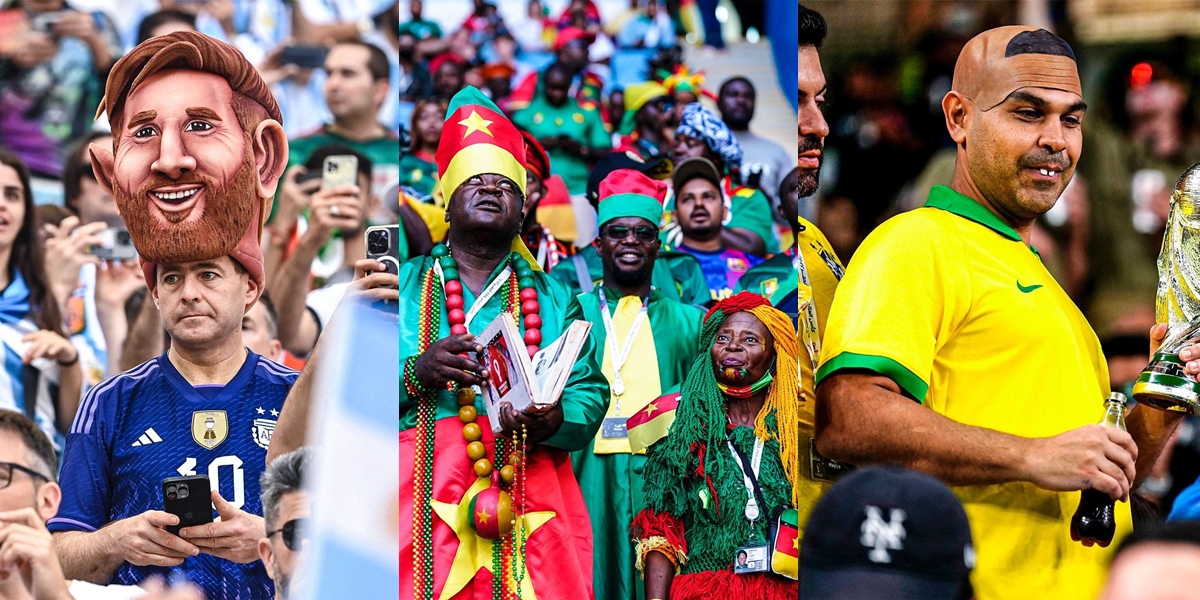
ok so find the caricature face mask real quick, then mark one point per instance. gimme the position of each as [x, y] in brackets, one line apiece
[197, 153]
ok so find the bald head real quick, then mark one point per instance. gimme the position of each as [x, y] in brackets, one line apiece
[1001, 61]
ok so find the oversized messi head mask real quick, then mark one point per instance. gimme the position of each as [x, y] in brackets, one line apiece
[198, 150]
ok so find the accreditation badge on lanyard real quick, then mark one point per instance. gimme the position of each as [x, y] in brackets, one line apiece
[752, 557]
[614, 427]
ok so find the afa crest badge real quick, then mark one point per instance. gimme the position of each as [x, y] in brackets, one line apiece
[261, 431]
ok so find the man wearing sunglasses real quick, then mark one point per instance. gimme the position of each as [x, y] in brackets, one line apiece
[649, 342]
[286, 508]
[676, 275]
[29, 496]
[699, 211]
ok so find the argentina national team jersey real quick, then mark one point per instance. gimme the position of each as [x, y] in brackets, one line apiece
[12, 382]
[144, 425]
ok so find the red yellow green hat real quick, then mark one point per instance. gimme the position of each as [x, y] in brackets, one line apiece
[478, 138]
[630, 193]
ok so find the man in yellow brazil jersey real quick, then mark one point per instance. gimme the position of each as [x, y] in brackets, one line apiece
[951, 349]
[814, 268]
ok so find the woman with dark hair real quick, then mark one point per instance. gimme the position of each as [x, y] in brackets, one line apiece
[41, 375]
[724, 480]
[417, 167]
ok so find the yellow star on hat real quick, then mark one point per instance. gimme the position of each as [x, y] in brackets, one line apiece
[475, 123]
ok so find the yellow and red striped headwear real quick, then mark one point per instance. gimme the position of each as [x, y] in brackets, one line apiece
[478, 138]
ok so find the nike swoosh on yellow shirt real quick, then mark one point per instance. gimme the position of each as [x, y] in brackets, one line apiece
[1027, 289]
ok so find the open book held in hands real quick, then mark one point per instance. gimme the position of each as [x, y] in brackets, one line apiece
[514, 378]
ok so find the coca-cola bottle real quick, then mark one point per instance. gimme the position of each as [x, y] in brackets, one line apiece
[1095, 520]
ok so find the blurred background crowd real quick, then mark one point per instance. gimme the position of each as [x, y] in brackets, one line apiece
[888, 146]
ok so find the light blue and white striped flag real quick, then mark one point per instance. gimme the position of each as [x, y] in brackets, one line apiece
[354, 543]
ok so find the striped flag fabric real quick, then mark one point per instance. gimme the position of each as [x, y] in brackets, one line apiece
[555, 210]
[652, 423]
[355, 529]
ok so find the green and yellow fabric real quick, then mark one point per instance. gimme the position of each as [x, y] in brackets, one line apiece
[418, 173]
[478, 139]
[694, 491]
[664, 345]
[989, 339]
[486, 142]
[777, 277]
[638, 95]
[610, 476]
[582, 124]
[773, 280]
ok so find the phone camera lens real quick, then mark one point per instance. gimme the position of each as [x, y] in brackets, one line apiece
[183, 492]
[377, 242]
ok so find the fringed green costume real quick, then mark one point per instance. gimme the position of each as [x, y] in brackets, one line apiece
[695, 497]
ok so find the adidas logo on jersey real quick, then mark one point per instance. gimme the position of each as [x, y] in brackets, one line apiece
[150, 437]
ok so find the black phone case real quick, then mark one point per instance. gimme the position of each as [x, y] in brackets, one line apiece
[196, 509]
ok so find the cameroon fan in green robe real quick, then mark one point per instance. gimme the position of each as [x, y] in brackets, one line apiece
[648, 342]
[485, 515]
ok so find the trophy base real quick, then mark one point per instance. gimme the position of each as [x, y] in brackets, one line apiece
[1163, 385]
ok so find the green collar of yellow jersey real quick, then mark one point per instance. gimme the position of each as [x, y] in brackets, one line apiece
[953, 202]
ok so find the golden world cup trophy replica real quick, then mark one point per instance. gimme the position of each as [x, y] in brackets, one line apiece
[1163, 383]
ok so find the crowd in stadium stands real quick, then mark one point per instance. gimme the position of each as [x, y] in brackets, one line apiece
[84, 334]
[557, 160]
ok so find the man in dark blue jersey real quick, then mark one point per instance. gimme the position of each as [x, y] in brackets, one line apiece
[207, 406]
[198, 152]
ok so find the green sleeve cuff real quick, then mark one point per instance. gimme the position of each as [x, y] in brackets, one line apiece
[907, 380]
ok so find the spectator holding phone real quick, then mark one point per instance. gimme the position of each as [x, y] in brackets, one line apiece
[286, 508]
[342, 210]
[92, 292]
[41, 377]
[51, 76]
[356, 86]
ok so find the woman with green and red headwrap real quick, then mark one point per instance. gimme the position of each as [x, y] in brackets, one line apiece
[707, 500]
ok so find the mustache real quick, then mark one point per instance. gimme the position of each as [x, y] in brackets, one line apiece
[186, 179]
[807, 143]
[1058, 160]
